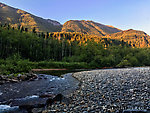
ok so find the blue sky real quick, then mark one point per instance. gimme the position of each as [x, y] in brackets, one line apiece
[123, 14]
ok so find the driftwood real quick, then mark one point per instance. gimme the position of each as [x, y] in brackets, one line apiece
[48, 69]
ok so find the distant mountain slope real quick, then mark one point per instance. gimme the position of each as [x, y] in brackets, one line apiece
[17, 17]
[134, 37]
[88, 27]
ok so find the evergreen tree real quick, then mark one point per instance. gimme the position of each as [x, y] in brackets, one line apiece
[19, 27]
[22, 29]
[26, 29]
[34, 30]
[47, 35]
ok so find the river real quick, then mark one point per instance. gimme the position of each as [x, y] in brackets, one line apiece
[27, 92]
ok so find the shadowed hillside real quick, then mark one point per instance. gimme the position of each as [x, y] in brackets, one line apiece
[16, 17]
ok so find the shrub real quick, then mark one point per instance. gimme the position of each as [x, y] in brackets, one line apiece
[124, 63]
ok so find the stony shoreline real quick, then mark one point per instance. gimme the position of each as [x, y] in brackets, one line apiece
[109, 90]
[20, 77]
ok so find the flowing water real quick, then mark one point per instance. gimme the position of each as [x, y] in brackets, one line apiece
[27, 92]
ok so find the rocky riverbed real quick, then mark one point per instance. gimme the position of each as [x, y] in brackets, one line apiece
[109, 91]
[100, 91]
[34, 93]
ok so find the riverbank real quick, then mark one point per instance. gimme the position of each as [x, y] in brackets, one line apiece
[109, 90]
[15, 78]
[18, 66]
[102, 90]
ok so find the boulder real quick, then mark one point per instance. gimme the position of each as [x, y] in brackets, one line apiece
[46, 96]
[29, 108]
[1, 77]
[58, 98]
[37, 110]
[22, 77]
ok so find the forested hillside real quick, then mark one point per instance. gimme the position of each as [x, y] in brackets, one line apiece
[45, 46]
[82, 38]
[135, 38]
[22, 51]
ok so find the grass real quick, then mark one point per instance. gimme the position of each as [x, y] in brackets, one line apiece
[13, 66]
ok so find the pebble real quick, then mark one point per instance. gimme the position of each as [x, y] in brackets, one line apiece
[110, 91]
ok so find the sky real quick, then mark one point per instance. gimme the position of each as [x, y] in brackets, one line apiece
[123, 14]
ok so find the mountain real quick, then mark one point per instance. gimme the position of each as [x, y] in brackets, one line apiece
[89, 27]
[134, 37]
[16, 17]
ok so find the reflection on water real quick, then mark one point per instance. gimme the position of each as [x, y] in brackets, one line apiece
[60, 72]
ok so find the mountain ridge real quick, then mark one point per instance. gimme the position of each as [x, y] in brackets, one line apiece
[88, 27]
[17, 17]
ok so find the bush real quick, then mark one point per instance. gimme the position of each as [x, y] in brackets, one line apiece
[124, 63]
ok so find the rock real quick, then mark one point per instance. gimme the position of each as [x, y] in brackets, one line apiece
[33, 74]
[20, 77]
[27, 76]
[33, 77]
[29, 108]
[1, 77]
[14, 80]
[40, 77]
[112, 90]
[48, 111]
[45, 77]
[46, 96]
[50, 101]
[85, 112]
[37, 110]
[23, 77]
[104, 90]
[2, 82]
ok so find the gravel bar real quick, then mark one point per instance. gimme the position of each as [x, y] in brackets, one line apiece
[109, 90]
